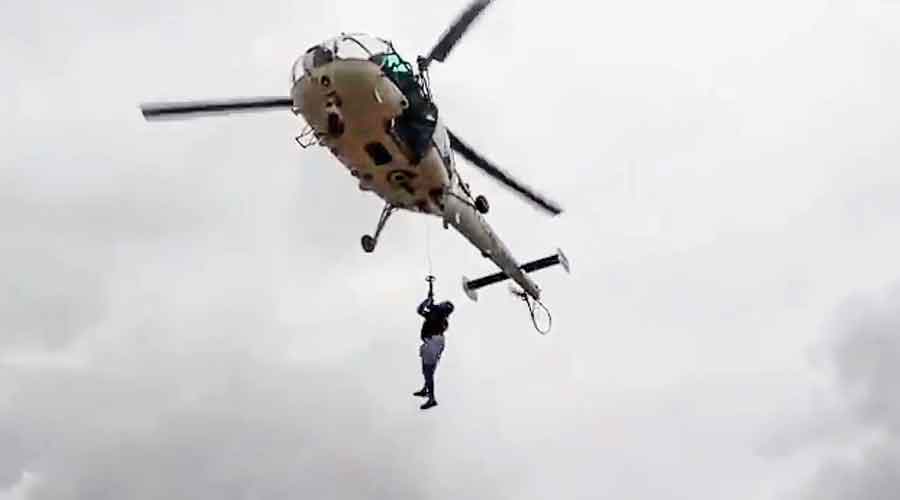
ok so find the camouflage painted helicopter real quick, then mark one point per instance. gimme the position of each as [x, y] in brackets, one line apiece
[375, 113]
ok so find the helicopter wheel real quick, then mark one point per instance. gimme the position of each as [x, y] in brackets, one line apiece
[481, 204]
[368, 243]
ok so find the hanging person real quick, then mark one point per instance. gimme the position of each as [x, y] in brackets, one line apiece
[432, 336]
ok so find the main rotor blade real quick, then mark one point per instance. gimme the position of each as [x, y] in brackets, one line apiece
[193, 109]
[494, 171]
[456, 30]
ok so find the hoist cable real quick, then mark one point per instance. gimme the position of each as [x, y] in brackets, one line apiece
[428, 248]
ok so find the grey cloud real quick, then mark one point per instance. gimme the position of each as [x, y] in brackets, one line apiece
[866, 361]
[245, 432]
[185, 310]
[875, 475]
[868, 358]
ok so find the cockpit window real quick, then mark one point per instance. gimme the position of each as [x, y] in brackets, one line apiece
[360, 46]
[317, 56]
[351, 48]
[346, 46]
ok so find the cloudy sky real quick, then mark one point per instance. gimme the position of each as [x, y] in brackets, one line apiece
[185, 311]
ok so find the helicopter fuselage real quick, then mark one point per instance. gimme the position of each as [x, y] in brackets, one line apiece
[374, 111]
[353, 108]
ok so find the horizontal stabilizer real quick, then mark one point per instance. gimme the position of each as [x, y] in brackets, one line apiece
[471, 287]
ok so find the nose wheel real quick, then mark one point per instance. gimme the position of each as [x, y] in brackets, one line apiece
[482, 205]
[369, 242]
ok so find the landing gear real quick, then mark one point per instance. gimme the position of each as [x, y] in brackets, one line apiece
[369, 242]
[481, 204]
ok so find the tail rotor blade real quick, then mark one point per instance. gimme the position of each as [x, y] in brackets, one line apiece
[193, 109]
[503, 177]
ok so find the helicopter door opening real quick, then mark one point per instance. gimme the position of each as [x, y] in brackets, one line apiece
[416, 125]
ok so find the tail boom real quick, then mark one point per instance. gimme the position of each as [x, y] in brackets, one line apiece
[466, 219]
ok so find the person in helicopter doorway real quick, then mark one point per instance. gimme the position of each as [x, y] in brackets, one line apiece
[418, 121]
[432, 335]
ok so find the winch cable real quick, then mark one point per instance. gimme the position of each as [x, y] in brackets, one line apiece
[428, 247]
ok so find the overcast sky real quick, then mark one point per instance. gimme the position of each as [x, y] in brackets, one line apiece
[185, 311]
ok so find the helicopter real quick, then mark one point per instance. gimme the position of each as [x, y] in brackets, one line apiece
[374, 111]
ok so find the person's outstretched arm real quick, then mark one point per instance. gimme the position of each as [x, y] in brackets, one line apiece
[425, 306]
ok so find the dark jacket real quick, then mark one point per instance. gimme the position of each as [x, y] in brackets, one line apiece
[435, 317]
